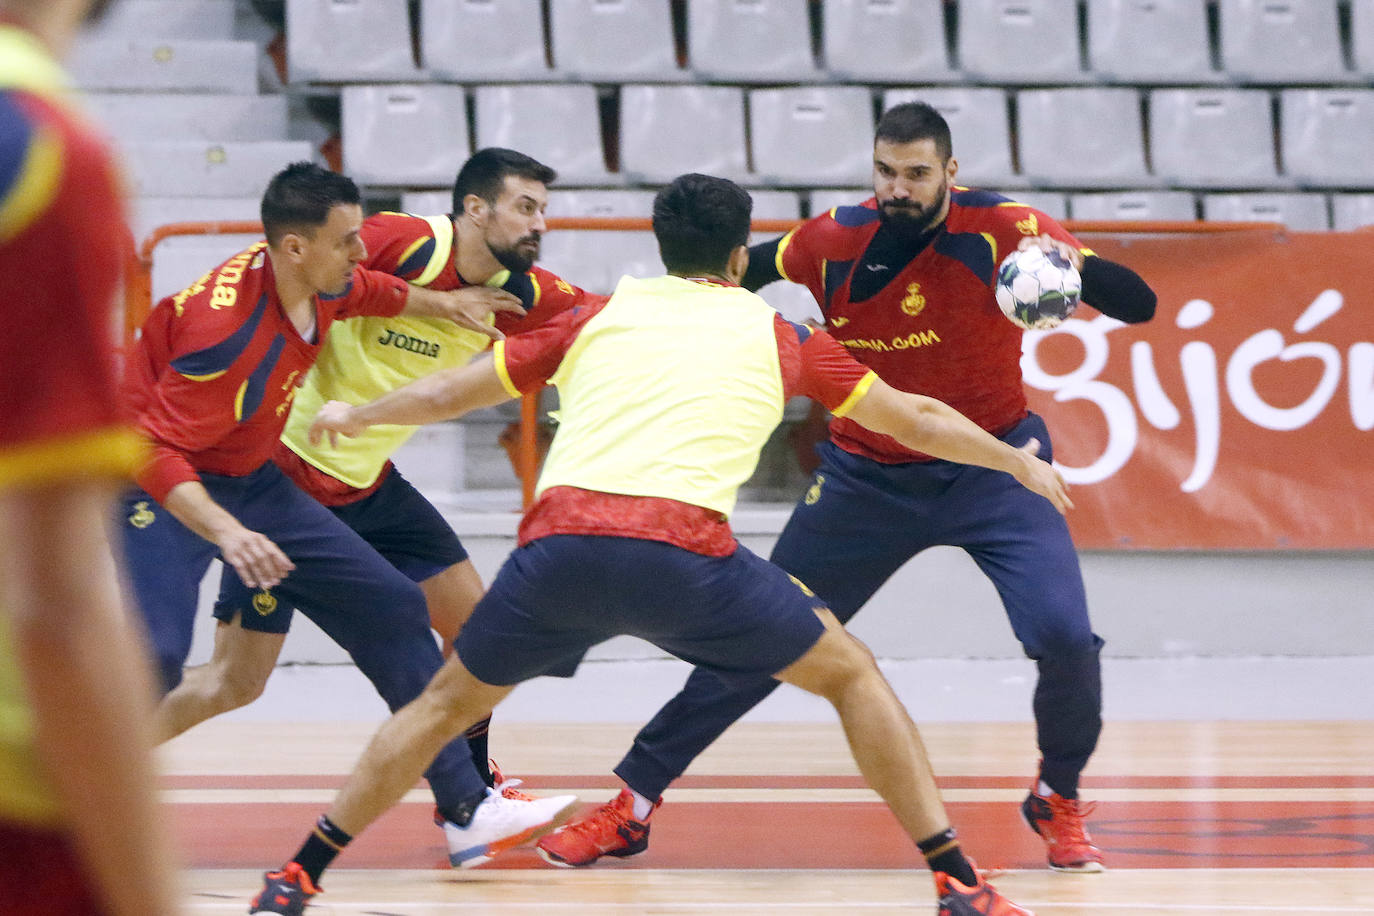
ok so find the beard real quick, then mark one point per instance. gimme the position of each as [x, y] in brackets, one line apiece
[909, 217]
[519, 256]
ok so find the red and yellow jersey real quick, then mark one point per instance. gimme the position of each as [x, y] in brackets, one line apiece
[62, 234]
[366, 357]
[214, 373]
[693, 409]
[925, 317]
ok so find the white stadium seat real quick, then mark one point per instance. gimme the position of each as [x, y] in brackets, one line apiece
[1065, 141]
[1020, 41]
[1303, 212]
[556, 124]
[404, 134]
[196, 168]
[1149, 41]
[511, 48]
[613, 40]
[1134, 205]
[668, 130]
[1362, 37]
[759, 41]
[1328, 136]
[339, 41]
[1279, 41]
[143, 19]
[811, 135]
[165, 65]
[1352, 211]
[185, 116]
[1213, 137]
[886, 41]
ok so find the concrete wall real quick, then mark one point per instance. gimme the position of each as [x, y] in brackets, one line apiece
[1146, 605]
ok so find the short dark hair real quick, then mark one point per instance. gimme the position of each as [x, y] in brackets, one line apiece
[484, 174]
[300, 196]
[698, 221]
[911, 121]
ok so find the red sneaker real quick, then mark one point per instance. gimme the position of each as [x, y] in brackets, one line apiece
[286, 892]
[1059, 821]
[610, 830]
[956, 899]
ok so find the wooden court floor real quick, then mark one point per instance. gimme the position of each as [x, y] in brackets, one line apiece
[1196, 818]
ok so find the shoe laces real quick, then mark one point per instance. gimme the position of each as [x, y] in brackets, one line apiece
[507, 788]
[1068, 817]
[597, 822]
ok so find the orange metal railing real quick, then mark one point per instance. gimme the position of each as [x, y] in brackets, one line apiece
[139, 292]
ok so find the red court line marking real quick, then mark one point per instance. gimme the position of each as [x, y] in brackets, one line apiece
[839, 835]
[608, 781]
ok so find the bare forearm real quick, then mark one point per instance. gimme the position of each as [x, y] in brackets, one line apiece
[89, 689]
[942, 432]
[192, 505]
[443, 395]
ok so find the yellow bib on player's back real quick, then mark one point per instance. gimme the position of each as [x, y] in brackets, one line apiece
[364, 358]
[670, 391]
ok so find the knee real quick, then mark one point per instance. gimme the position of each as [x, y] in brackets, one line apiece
[233, 688]
[846, 665]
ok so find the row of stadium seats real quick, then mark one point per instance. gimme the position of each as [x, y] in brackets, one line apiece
[409, 136]
[1085, 137]
[884, 41]
[1149, 42]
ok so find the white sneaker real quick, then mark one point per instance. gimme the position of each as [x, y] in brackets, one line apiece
[500, 823]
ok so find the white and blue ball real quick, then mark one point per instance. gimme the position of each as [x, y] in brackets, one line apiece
[1037, 289]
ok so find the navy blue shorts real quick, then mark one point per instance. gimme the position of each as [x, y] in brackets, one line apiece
[861, 520]
[341, 582]
[395, 520]
[558, 596]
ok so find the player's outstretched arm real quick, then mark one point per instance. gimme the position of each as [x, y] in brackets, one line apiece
[443, 395]
[927, 425]
[469, 307]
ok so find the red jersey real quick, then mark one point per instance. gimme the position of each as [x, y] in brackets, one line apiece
[216, 367]
[811, 363]
[925, 318]
[62, 238]
[405, 246]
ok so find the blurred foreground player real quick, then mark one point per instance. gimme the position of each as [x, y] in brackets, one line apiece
[210, 382]
[662, 418]
[905, 281]
[79, 827]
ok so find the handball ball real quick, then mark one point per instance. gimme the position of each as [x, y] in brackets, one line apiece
[1037, 289]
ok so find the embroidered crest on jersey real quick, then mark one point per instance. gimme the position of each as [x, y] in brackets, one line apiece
[1028, 226]
[913, 302]
[813, 495]
[142, 516]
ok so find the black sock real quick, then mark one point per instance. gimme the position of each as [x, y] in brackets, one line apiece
[324, 843]
[943, 853]
[477, 743]
[461, 814]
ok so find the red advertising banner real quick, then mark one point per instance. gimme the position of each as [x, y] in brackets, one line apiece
[1241, 416]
